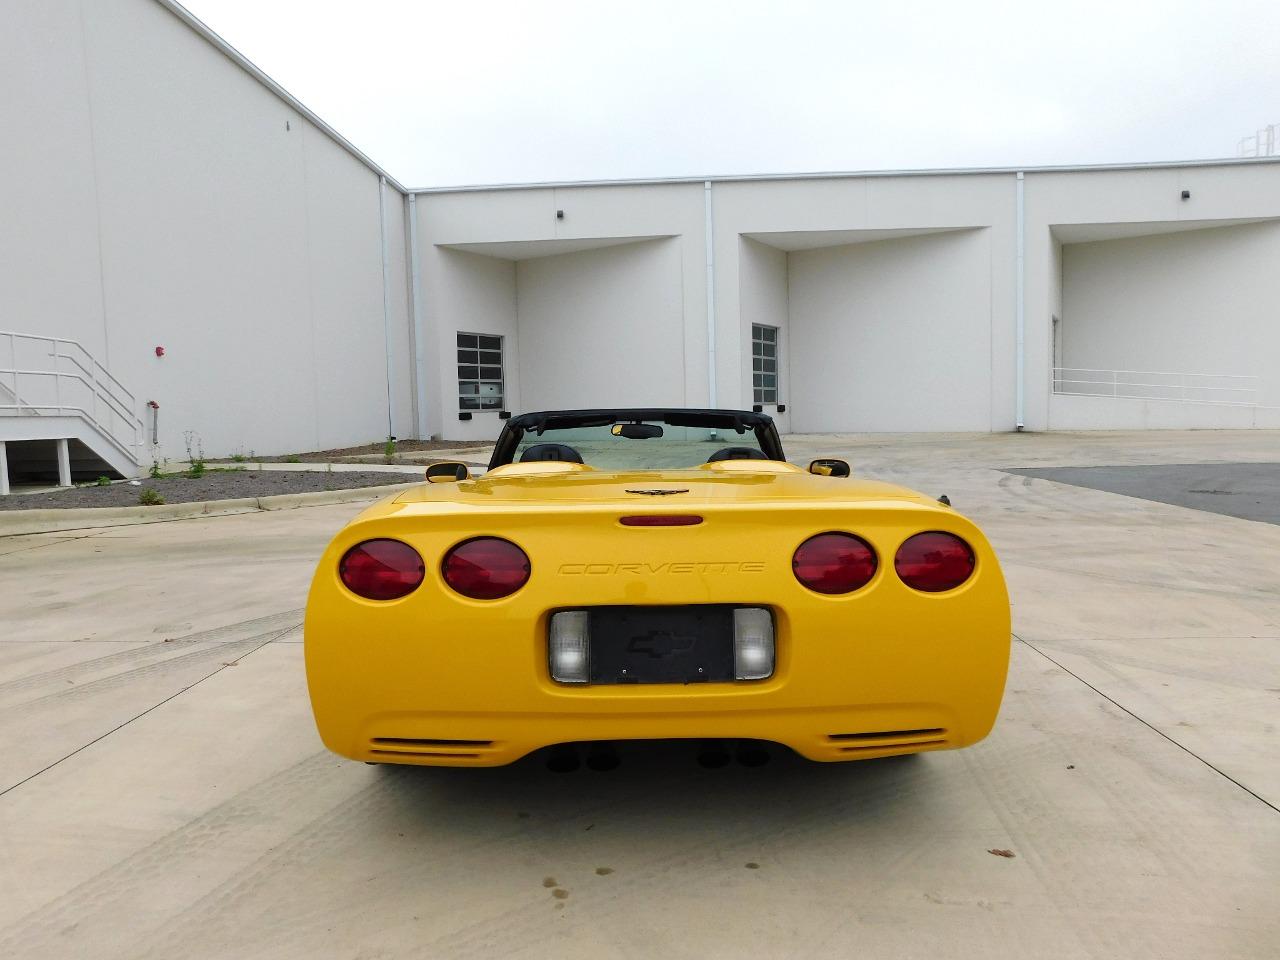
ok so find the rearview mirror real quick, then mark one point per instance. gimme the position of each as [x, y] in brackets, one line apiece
[829, 467]
[636, 431]
[450, 471]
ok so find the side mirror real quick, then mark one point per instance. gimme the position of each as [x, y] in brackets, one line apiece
[829, 468]
[450, 471]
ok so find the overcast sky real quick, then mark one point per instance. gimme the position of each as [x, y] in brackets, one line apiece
[492, 92]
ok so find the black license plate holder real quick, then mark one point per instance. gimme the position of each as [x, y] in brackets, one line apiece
[687, 644]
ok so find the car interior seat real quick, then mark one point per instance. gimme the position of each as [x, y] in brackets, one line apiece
[551, 452]
[737, 453]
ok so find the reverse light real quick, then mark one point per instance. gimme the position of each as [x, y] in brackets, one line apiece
[834, 563]
[935, 561]
[486, 568]
[381, 569]
[569, 651]
[753, 651]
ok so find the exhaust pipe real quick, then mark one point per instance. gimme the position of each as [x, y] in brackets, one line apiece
[712, 755]
[752, 754]
[563, 759]
[603, 757]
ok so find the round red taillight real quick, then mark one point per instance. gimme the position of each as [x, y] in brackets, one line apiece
[486, 568]
[834, 563]
[382, 569]
[934, 562]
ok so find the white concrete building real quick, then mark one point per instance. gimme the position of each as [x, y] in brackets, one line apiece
[159, 191]
[1092, 298]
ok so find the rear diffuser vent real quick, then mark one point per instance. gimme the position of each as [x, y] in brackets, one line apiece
[888, 739]
[406, 742]
[413, 747]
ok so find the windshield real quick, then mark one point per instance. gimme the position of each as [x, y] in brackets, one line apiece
[677, 448]
[646, 438]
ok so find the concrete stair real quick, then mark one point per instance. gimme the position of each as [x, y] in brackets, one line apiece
[63, 416]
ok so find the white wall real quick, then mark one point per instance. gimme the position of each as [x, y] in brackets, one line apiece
[400, 325]
[932, 258]
[164, 197]
[1066, 205]
[602, 328]
[802, 216]
[50, 280]
[471, 294]
[893, 335]
[1200, 301]
[619, 279]
[154, 193]
[762, 283]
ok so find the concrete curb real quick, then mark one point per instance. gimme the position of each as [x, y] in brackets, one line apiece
[15, 523]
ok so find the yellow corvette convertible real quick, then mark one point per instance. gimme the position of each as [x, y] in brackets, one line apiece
[653, 574]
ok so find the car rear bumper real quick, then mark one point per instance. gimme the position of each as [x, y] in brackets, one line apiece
[495, 739]
[880, 671]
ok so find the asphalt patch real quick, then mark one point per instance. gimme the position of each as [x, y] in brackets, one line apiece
[1250, 491]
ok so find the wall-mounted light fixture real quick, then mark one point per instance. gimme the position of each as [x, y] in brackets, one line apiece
[1186, 194]
[559, 214]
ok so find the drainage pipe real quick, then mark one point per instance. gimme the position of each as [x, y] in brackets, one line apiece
[386, 300]
[709, 231]
[415, 310]
[1019, 302]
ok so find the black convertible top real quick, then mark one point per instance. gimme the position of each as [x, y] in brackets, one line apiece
[738, 421]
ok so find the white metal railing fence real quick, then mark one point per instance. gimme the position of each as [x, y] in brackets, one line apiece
[56, 376]
[1229, 389]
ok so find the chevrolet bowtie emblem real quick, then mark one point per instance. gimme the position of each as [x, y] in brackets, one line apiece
[658, 493]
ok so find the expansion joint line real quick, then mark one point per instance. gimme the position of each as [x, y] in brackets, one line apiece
[276, 635]
[1226, 776]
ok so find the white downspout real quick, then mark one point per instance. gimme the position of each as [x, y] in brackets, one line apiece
[1019, 303]
[386, 299]
[415, 309]
[709, 231]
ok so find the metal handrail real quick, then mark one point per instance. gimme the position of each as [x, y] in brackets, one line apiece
[111, 401]
[1162, 373]
[1191, 387]
[79, 346]
[117, 402]
[80, 411]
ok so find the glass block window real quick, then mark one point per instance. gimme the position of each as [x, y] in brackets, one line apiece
[479, 372]
[764, 363]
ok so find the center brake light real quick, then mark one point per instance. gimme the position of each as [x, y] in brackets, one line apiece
[834, 563]
[486, 568]
[661, 520]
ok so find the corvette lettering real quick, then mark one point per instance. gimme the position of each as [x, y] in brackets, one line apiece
[655, 569]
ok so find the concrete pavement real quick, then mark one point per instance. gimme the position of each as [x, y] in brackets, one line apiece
[163, 792]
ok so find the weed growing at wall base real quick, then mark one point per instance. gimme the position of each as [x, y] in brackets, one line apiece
[195, 453]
